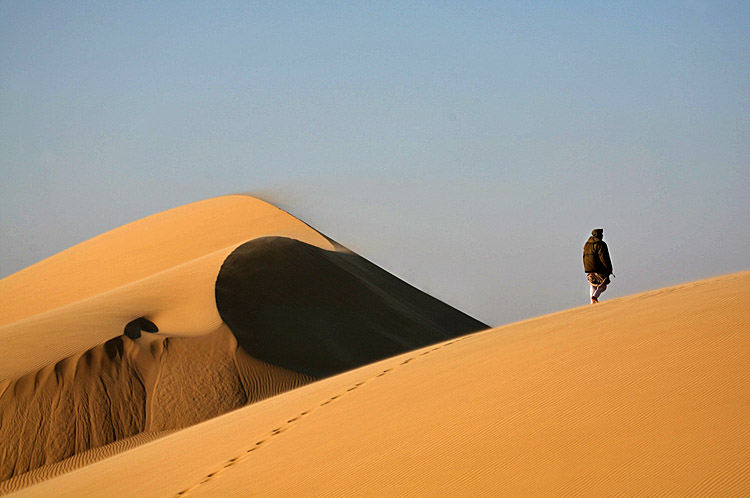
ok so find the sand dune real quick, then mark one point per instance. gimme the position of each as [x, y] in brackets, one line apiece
[264, 359]
[236, 301]
[639, 396]
[144, 248]
[163, 266]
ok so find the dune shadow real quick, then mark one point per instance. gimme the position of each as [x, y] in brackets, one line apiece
[323, 312]
[134, 327]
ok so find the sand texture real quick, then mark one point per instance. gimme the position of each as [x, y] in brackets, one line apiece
[315, 373]
[121, 336]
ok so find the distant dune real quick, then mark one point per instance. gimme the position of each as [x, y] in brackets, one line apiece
[308, 371]
[185, 315]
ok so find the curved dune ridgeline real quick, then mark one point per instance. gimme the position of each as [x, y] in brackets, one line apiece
[144, 248]
[198, 333]
[162, 268]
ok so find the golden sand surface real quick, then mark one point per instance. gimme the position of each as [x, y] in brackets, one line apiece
[163, 266]
[646, 395]
[249, 302]
[285, 365]
[70, 381]
[144, 248]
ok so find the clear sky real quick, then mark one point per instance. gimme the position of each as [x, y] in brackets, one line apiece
[467, 147]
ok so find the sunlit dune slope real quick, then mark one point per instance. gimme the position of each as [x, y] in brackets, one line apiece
[163, 266]
[143, 248]
[268, 306]
[640, 396]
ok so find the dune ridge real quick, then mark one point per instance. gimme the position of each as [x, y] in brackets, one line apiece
[229, 327]
[143, 248]
[639, 396]
[163, 267]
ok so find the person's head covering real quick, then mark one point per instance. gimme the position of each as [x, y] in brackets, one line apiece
[597, 232]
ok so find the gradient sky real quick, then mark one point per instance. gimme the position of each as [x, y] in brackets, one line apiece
[467, 147]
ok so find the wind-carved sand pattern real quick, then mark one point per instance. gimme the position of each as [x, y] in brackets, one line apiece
[296, 419]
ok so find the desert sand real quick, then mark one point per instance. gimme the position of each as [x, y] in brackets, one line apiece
[285, 365]
[183, 316]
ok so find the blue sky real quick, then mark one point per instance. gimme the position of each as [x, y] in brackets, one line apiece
[467, 147]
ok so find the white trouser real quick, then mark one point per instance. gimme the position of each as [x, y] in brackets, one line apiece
[597, 291]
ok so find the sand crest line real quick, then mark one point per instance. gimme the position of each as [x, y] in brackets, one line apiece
[295, 419]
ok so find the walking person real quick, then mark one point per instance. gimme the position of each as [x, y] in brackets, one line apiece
[596, 264]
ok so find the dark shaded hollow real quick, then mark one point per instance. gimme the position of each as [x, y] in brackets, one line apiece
[322, 312]
[134, 327]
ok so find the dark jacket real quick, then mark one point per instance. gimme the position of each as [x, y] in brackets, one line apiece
[596, 257]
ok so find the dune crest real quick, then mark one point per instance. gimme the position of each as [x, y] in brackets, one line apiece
[162, 267]
[143, 248]
[162, 334]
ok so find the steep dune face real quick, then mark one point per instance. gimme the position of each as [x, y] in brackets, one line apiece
[127, 387]
[76, 404]
[204, 335]
[323, 312]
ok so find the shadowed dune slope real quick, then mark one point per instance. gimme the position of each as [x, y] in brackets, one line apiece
[322, 312]
[203, 335]
[124, 388]
[645, 395]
